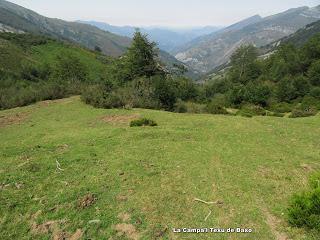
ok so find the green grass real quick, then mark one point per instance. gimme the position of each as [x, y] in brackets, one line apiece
[17, 52]
[251, 166]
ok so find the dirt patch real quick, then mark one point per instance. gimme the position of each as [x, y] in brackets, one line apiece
[77, 235]
[127, 230]
[45, 228]
[60, 236]
[160, 232]
[122, 198]
[62, 148]
[11, 119]
[306, 167]
[87, 201]
[47, 103]
[273, 222]
[116, 119]
[124, 217]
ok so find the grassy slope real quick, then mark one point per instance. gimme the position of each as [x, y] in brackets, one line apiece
[13, 56]
[251, 165]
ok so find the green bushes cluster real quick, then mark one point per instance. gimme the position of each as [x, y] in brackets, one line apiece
[279, 83]
[143, 122]
[304, 209]
[286, 82]
[303, 112]
[250, 110]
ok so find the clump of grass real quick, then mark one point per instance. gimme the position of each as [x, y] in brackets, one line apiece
[143, 122]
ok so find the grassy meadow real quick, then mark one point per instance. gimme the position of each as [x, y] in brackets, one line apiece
[70, 171]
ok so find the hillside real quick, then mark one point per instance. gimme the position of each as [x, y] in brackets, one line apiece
[34, 68]
[298, 38]
[24, 49]
[210, 51]
[167, 39]
[113, 177]
[16, 18]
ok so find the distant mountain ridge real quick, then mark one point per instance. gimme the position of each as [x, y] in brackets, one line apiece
[166, 38]
[16, 18]
[208, 52]
[300, 37]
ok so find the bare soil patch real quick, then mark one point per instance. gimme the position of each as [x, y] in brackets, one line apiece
[127, 230]
[11, 119]
[47, 103]
[124, 217]
[273, 223]
[87, 201]
[120, 118]
[77, 235]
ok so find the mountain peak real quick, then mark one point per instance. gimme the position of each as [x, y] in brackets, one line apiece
[245, 22]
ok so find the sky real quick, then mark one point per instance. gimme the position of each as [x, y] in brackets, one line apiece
[170, 13]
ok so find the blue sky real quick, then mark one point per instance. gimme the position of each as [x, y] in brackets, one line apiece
[175, 13]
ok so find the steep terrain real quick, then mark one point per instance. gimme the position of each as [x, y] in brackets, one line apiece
[298, 38]
[15, 18]
[210, 51]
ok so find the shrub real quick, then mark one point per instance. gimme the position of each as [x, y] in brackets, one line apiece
[309, 101]
[249, 110]
[275, 114]
[314, 73]
[315, 92]
[307, 112]
[304, 209]
[193, 107]
[282, 107]
[315, 180]
[143, 122]
[180, 107]
[216, 108]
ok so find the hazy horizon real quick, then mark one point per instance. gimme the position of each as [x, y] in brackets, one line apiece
[167, 14]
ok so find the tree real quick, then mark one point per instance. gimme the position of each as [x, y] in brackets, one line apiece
[98, 49]
[286, 90]
[70, 69]
[141, 57]
[244, 64]
[314, 73]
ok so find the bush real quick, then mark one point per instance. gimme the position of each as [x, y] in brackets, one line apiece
[249, 110]
[180, 107]
[315, 92]
[282, 107]
[143, 122]
[307, 112]
[304, 209]
[309, 101]
[275, 114]
[193, 107]
[216, 108]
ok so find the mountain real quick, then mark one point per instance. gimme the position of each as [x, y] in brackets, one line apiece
[300, 37]
[167, 39]
[14, 18]
[208, 52]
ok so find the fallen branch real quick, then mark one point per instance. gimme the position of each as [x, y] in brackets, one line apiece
[208, 216]
[59, 166]
[199, 200]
